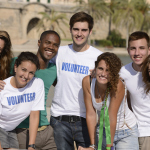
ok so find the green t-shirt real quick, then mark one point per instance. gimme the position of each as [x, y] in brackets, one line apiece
[48, 76]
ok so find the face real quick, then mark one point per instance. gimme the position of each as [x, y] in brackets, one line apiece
[138, 51]
[80, 33]
[48, 47]
[24, 73]
[102, 73]
[2, 44]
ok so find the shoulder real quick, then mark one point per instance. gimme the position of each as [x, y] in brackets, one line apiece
[37, 81]
[126, 70]
[96, 50]
[86, 81]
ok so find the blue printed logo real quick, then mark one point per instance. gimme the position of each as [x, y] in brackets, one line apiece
[14, 100]
[75, 68]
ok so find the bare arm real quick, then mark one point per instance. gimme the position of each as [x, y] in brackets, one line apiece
[33, 127]
[0, 146]
[116, 99]
[90, 112]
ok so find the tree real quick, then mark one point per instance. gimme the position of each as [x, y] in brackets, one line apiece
[128, 16]
[51, 21]
[144, 8]
[98, 9]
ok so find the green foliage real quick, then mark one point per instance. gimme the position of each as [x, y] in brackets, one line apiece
[51, 21]
[116, 39]
[102, 43]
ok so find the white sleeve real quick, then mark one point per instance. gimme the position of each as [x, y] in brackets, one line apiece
[39, 96]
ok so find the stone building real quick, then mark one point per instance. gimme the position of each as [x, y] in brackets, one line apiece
[19, 18]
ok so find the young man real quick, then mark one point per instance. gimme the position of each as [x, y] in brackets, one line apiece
[138, 49]
[48, 46]
[73, 62]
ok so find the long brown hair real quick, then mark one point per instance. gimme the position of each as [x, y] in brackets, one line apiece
[114, 64]
[5, 56]
[145, 74]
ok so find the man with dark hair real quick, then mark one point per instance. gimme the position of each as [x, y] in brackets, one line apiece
[48, 46]
[138, 49]
[73, 62]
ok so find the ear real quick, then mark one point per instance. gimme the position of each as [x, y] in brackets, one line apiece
[15, 68]
[90, 32]
[128, 50]
[149, 51]
[39, 42]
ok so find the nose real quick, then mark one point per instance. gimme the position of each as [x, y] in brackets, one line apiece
[51, 46]
[137, 51]
[26, 75]
[79, 32]
[103, 73]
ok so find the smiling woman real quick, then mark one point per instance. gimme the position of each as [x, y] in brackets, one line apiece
[23, 95]
[106, 96]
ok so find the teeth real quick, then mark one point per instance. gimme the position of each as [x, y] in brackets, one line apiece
[49, 52]
[102, 77]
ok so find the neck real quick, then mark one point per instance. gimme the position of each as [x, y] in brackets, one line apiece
[101, 89]
[80, 48]
[42, 61]
[137, 67]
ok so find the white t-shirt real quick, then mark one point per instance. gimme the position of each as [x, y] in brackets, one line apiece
[72, 67]
[129, 119]
[17, 103]
[140, 101]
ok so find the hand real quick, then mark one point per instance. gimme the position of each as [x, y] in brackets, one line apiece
[30, 148]
[92, 73]
[2, 84]
[82, 148]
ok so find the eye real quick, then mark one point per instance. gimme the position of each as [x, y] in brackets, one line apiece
[84, 30]
[32, 73]
[100, 68]
[23, 69]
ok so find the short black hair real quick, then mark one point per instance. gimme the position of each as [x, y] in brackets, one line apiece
[49, 32]
[27, 56]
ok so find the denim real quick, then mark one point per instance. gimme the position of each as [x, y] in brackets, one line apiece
[123, 140]
[8, 139]
[66, 133]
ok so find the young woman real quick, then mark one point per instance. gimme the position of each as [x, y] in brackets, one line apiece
[105, 95]
[5, 55]
[146, 74]
[23, 95]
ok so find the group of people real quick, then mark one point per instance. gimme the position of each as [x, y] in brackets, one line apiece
[105, 110]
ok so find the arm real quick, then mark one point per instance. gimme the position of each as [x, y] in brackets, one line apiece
[0, 146]
[116, 99]
[33, 127]
[90, 111]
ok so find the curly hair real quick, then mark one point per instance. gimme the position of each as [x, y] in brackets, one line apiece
[5, 56]
[145, 74]
[114, 65]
